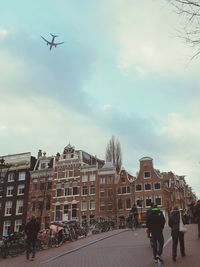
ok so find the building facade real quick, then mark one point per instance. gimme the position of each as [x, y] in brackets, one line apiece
[14, 190]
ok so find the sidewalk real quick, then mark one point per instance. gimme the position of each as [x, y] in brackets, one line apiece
[192, 249]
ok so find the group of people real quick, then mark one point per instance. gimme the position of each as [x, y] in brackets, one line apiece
[155, 225]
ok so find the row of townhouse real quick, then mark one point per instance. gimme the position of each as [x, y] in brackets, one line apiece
[76, 185]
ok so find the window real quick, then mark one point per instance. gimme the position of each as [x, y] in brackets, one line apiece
[92, 189]
[76, 172]
[11, 177]
[43, 165]
[109, 180]
[156, 185]
[10, 191]
[110, 206]
[49, 183]
[102, 192]
[84, 190]
[58, 190]
[74, 190]
[102, 180]
[0, 207]
[66, 189]
[147, 175]
[148, 201]
[84, 205]
[84, 178]
[18, 225]
[139, 202]
[74, 211]
[119, 190]
[6, 228]
[8, 208]
[120, 204]
[22, 176]
[138, 187]
[128, 203]
[158, 200]
[20, 189]
[57, 216]
[147, 187]
[92, 204]
[66, 209]
[92, 177]
[19, 207]
[124, 190]
[48, 203]
[102, 205]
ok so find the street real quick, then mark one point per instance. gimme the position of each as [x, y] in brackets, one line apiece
[118, 248]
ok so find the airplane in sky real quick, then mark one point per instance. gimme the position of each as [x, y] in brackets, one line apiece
[52, 43]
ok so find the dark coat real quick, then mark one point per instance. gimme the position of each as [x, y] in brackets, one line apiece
[31, 229]
[155, 221]
[174, 220]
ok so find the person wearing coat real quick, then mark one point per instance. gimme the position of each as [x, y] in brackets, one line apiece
[31, 230]
[177, 235]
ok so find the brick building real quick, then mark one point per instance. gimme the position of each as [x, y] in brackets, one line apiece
[14, 189]
[40, 190]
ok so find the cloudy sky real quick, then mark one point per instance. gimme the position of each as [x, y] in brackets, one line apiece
[122, 71]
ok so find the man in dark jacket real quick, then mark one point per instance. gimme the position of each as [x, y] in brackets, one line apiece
[155, 225]
[31, 229]
[177, 235]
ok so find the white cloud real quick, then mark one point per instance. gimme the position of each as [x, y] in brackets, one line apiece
[3, 32]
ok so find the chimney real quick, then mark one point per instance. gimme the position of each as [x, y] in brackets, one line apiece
[39, 153]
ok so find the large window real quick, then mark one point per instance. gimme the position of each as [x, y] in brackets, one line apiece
[18, 225]
[20, 189]
[128, 203]
[84, 204]
[84, 178]
[10, 191]
[6, 228]
[92, 177]
[156, 185]
[19, 206]
[66, 189]
[74, 211]
[138, 187]
[74, 189]
[158, 200]
[147, 187]
[58, 190]
[22, 176]
[102, 180]
[92, 204]
[148, 201]
[110, 205]
[84, 190]
[147, 175]
[1, 191]
[102, 192]
[8, 208]
[11, 177]
[92, 189]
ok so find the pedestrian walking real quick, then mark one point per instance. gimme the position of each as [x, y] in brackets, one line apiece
[197, 215]
[155, 225]
[134, 210]
[175, 219]
[31, 229]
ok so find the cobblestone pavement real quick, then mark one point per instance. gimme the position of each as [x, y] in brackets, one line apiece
[123, 248]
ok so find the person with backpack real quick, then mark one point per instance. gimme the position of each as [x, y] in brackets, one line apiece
[155, 224]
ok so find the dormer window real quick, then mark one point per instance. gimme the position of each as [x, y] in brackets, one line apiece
[147, 175]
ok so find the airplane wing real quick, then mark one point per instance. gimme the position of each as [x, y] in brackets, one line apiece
[59, 43]
[45, 39]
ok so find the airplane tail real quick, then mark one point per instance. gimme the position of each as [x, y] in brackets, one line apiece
[53, 35]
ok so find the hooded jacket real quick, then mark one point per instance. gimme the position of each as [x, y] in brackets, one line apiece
[156, 220]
